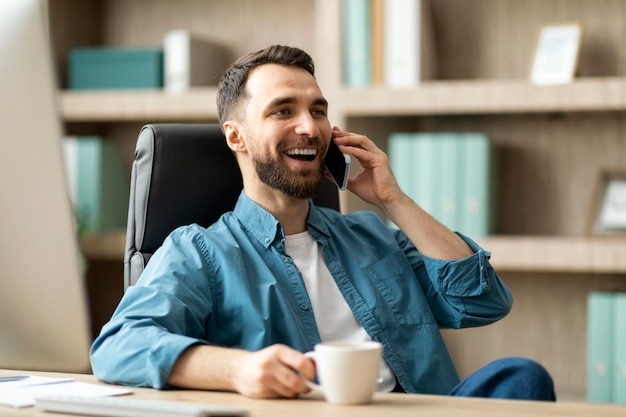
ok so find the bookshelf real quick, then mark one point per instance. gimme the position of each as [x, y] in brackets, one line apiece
[488, 97]
[431, 98]
[155, 105]
[552, 140]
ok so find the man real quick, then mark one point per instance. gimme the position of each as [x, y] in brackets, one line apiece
[233, 307]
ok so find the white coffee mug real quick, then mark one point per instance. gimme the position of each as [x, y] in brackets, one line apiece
[347, 371]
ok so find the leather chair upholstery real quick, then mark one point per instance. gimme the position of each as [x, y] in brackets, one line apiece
[182, 174]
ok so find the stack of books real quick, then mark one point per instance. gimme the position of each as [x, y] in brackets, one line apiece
[606, 347]
[450, 175]
[387, 42]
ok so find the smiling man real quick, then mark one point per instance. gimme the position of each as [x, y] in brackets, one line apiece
[235, 305]
[279, 146]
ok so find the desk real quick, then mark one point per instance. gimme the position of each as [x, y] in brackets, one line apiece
[384, 405]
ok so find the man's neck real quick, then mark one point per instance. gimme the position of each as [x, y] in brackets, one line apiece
[290, 212]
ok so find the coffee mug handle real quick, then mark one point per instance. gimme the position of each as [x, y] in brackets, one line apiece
[311, 384]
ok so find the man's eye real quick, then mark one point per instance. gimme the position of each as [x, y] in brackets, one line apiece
[281, 112]
[319, 112]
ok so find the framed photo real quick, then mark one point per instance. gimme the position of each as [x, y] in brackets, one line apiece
[608, 214]
[556, 53]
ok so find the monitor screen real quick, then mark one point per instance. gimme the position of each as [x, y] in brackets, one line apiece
[44, 316]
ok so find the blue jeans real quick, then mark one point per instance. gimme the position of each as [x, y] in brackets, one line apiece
[512, 378]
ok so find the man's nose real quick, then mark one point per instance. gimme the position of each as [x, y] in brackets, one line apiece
[307, 126]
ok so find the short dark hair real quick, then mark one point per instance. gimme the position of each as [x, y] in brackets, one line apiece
[231, 89]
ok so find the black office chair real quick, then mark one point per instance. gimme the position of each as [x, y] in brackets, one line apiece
[182, 174]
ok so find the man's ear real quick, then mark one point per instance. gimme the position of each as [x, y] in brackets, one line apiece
[232, 131]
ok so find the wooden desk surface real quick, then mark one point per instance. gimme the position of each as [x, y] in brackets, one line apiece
[386, 405]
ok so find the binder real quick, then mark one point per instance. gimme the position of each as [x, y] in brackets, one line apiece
[402, 160]
[619, 349]
[377, 39]
[97, 184]
[425, 185]
[357, 43]
[476, 202]
[409, 51]
[449, 174]
[400, 147]
[600, 328]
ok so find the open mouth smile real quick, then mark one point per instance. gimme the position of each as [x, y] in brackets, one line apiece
[302, 154]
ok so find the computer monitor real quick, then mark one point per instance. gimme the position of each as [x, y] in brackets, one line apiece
[44, 315]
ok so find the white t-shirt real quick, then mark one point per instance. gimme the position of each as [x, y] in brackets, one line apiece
[334, 318]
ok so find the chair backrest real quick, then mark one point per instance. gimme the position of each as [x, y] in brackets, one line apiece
[182, 174]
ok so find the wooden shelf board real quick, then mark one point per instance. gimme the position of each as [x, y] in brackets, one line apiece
[132, 105]
[486, 97]
[433, 97]
[106, 246]
[508, 253]
[556, 254]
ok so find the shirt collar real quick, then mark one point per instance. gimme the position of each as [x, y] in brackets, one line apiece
[264, 226]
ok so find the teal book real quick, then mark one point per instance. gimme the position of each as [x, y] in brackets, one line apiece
[448, 167]
[619, 350]
[402, 160]
[600, 328]
[426, 182]
[98, 184]
[476, 215]
[115, 68]
[357, 65]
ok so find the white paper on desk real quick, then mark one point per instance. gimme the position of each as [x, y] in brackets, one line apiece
[23, 393]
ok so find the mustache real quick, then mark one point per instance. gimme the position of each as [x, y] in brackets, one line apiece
[303, 141]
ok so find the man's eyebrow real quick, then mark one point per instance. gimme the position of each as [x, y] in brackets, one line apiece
[321, 102]
[280, 101]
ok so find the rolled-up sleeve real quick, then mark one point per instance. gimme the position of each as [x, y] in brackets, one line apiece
[467, 292]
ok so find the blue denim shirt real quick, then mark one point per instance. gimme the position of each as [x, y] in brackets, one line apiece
[233, 285]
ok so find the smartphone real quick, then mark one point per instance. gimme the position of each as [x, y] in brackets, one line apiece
[338, 164]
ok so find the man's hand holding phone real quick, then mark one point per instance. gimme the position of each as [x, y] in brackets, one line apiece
[374, 182]
[338, 164]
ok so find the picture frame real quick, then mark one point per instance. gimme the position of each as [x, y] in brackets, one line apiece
[608, 211]
[556, 53]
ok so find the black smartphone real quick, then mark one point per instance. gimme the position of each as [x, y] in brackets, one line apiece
[338, 164]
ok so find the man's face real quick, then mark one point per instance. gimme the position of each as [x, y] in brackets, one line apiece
[287, 129]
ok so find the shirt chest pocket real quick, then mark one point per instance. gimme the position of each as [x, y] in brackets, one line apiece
[396, 283]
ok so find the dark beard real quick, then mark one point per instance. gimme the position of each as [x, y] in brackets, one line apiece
[304, 184]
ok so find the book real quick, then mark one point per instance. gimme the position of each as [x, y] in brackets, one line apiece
[356, 18]
[377, 39]
[449, 173]
[97, 183]
[190, 61]
[425, 184]
[402, 160]
[409, 51]
[476, 214]
[115, 68]
[600, 328]
[619, 349]
[22, 390]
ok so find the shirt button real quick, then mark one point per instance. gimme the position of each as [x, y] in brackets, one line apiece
[288, 259]
[266, 240]
[304, 307]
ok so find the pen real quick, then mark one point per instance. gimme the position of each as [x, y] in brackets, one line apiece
[13, 378]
